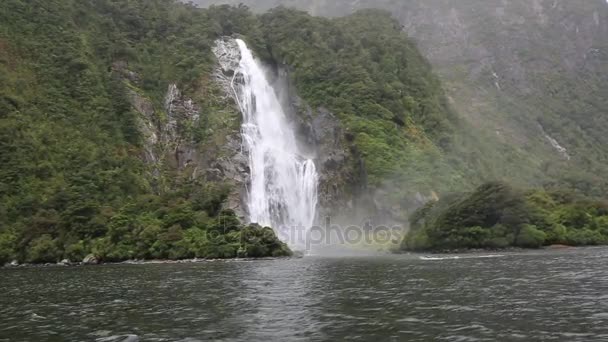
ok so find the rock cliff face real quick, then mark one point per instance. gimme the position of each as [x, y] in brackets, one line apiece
[232, 166]
[318, 130]
[323, 133]
[166, 140]
[170, 148]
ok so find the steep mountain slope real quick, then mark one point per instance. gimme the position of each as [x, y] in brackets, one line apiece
[120, 137]
[530, 76]
[114, 137]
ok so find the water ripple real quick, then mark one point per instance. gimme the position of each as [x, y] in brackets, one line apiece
[552, 296]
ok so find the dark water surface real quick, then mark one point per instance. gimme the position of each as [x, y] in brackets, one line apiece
[548, 295]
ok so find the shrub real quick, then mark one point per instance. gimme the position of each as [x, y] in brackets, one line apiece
[557, 234]
[43, 250]
[7, 247]
[76, 251]
[584, 237]
[417, 241]
[530, 237]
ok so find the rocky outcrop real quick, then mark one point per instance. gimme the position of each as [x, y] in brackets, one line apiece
[232, 168]
[332, 158]
[90, 259]
[64, 262]
[324, 134]
[228, 55]
[169, 141]
[180, 149]
[147, 126]
[232, 165]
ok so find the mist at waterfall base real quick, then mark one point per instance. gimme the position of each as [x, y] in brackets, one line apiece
[282, 191]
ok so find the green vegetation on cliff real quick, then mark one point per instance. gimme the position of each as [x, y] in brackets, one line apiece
[496, 215]
[72, 177]
[399, 123]
[367, 72]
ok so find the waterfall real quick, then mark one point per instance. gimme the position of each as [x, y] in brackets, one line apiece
[283, 183]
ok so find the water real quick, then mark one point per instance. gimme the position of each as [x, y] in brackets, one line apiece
[551, 296]
[283, 185]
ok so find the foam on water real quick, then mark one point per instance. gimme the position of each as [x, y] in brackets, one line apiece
[461, 257]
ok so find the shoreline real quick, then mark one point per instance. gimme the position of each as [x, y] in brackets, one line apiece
[142, 262]
[497, 250]
[477, 251]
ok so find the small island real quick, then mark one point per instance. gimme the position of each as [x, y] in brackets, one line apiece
[498, 216]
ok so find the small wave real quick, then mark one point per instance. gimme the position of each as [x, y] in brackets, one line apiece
[121, 338]
[461, 257]
[439, 258]
[487, 256]
[36, 317]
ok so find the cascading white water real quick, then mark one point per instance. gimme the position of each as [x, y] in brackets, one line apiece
[283, 185]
